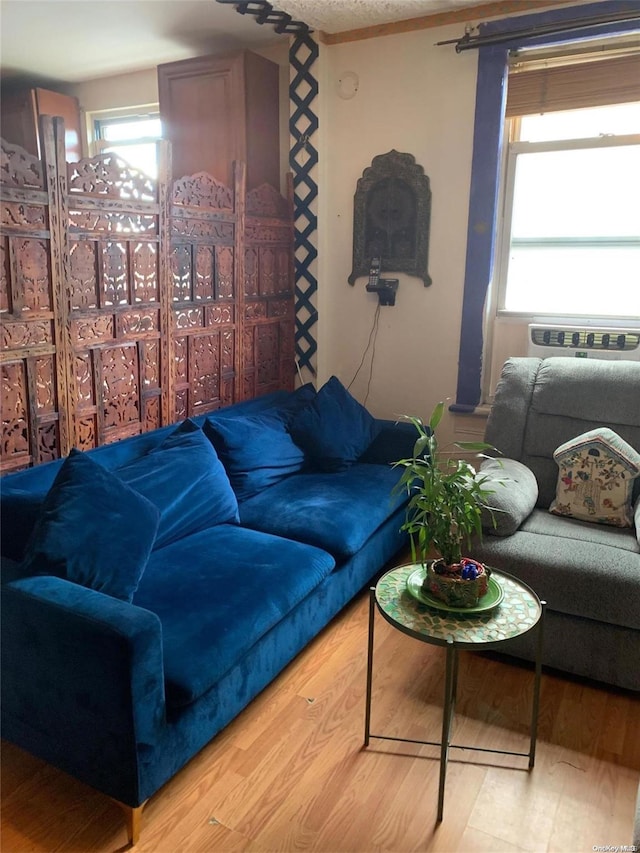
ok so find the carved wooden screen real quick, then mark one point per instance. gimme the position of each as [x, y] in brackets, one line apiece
[125, 306]
[31, 308]
[203, 294]
[268, 350]
[119, 367]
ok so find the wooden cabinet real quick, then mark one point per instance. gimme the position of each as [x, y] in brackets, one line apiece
[217, 109]
[20, 115]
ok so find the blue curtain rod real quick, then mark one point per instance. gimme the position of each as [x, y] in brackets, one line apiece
[469, 42]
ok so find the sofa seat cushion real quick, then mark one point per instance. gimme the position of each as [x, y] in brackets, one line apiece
[337, 512]
[216, 593]
[578, 568]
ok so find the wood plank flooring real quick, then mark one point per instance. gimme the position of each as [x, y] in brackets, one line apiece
[290, 772]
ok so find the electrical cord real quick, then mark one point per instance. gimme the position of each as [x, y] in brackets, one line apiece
[373, 334]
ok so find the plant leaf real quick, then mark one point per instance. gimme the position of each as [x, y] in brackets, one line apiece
[436, 416]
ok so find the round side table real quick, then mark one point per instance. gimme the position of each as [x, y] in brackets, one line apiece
[519, 611]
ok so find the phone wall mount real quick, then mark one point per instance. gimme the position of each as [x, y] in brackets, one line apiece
[386, 289]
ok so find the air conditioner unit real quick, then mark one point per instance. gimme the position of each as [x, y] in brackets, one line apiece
[583, 342]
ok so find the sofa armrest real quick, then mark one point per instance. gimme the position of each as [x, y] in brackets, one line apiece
[82, 679]
[515, 492]
[395, 440]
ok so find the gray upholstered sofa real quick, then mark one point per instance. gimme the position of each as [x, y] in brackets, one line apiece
[588, 573]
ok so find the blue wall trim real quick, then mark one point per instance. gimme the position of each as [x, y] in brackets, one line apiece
[485, 172]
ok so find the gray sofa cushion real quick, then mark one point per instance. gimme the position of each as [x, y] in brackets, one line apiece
[515, 491]
[581, 569]
[540, 404]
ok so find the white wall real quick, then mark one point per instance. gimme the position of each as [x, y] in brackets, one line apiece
[417, 98]
[139, 88]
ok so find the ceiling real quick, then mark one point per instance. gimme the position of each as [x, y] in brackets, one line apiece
[337, 16]
[67, 41]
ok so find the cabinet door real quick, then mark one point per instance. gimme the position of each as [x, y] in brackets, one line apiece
[19, 120]
[262, 116]
[219, 109]
[56, 104]
[203, 114]
[21, 112]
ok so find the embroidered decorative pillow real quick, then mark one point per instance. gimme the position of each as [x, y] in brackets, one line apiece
[595, 479]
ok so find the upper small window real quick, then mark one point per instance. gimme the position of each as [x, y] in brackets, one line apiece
[134, 138]
[570, 242]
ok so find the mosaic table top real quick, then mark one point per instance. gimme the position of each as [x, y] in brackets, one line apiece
[517, 613]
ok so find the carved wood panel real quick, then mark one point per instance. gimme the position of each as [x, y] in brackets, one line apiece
[204, 299]
[268, 349]
[116, 326]
[32, 363]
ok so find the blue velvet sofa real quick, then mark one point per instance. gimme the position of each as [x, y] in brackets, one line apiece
[153, 587]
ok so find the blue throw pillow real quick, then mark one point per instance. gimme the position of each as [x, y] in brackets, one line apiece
[92, 530]
[19, 511]
[256, 451]
[334, 430]
[186, 481]
[297, 400]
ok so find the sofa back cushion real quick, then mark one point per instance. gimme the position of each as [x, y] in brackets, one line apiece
[256, 451]
[19, 512]
[543, 403]
[334, 429]
[93, 530]
[24, 491]
[186, 481]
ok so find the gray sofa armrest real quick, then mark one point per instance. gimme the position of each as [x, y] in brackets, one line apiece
[515, 492]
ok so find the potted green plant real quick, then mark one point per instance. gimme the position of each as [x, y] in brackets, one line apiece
[445, 509]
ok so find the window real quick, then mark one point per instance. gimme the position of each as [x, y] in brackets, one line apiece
[478, 354]
[571, 226]
[570, 235]
[132, 137]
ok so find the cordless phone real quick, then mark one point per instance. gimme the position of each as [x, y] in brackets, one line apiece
[374, 273]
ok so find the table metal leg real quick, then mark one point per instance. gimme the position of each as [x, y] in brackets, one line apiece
[367, 715]
[454, 682]
[536, 689]
[447, 719]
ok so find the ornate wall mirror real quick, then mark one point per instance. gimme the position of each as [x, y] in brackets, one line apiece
[391, 217]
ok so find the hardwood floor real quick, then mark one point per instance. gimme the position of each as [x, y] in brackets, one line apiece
[290, 772]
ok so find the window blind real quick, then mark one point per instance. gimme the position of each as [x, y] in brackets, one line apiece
[569, 87]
